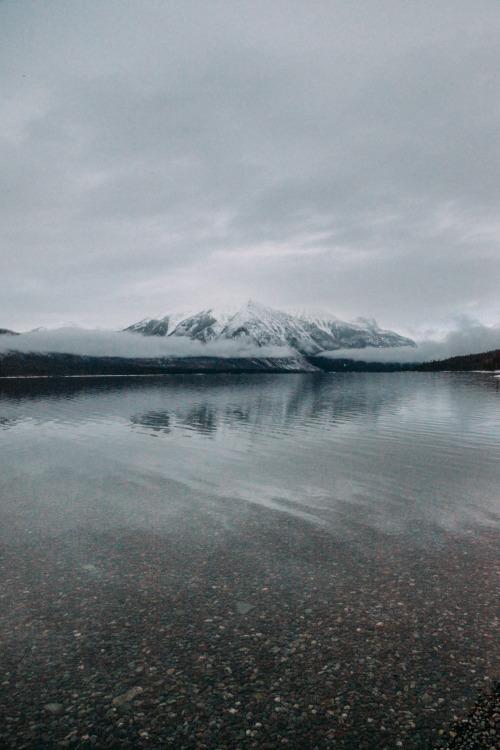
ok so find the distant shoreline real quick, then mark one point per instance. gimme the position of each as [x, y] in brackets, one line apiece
[44, 365]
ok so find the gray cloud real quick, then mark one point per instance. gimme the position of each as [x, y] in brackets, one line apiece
[468, 337]
[103, 343]
[337, 154]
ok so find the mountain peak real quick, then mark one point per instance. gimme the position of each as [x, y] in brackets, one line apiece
[312, 314]
[369, 323]
[309, 332]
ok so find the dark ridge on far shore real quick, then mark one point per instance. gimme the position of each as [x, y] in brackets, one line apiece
[344, 364]
[19, 364]
[54, 364]
[463, 363]
[483, 361]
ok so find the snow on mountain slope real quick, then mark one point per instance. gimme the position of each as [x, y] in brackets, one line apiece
[330, 333]
[308, 332]
[206, 325]
[266, 326]
[161, 325]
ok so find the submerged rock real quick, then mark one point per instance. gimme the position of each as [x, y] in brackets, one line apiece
[128, 696]
[54, 708]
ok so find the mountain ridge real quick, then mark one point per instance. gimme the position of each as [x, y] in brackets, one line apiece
[308, 332]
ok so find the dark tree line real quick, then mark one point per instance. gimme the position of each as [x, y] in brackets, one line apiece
[483, 361]
[18, 363]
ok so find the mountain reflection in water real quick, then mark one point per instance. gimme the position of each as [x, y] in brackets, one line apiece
[273, 406]
[392, 451]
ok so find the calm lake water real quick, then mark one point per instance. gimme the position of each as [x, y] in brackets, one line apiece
[394, 451]
[372, 484]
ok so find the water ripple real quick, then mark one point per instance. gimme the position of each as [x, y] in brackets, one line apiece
[390, 450]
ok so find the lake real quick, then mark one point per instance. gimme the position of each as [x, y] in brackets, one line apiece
[247, 561]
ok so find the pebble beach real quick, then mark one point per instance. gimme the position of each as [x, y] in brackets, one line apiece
[270, 633]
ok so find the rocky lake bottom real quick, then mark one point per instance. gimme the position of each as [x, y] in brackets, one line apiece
[141, 640]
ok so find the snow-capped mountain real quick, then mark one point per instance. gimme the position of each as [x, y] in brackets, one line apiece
[308, 332]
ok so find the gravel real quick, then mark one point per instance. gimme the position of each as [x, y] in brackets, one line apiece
[266, 633]
[481, 727]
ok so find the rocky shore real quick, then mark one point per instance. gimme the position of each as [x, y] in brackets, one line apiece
[481, 727]
[268, 634]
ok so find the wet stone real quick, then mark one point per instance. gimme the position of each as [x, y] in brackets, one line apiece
[54, 708]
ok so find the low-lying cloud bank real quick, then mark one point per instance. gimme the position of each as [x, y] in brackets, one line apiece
[470, 337]
[103, 343]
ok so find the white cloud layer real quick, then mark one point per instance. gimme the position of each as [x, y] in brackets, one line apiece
[102, 343]
[469, 337]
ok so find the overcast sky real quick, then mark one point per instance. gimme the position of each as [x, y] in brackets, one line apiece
[331, 153]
